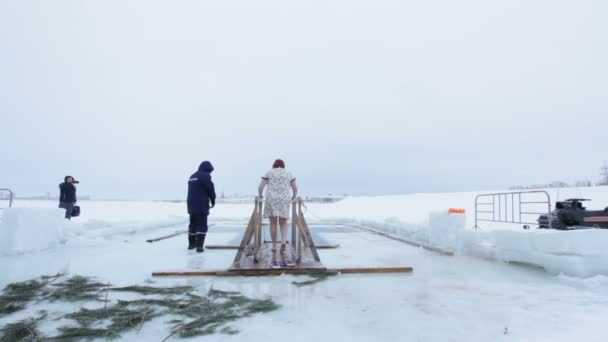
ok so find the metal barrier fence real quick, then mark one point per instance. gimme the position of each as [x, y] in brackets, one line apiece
[10, 196]
[512, 207]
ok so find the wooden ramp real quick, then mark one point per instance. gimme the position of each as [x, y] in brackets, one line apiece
[255, 254]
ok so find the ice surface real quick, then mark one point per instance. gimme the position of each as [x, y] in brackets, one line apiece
[461, 298]
[445, 299]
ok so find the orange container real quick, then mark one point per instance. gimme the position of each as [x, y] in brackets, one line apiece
[456, 211]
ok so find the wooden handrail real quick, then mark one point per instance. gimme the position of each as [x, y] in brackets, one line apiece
[300, 233]
[250, 232]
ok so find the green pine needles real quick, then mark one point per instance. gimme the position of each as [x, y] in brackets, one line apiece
[15, 296]
[24, 330]
[191, 314]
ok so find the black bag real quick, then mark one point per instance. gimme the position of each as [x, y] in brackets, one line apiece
[76, 211]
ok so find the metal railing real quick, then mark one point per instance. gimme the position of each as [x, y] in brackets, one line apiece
[512, 207]
[10, 196]
[301, 237]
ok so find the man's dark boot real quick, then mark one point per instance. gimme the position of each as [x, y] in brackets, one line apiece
[200, 241]
[191, 241]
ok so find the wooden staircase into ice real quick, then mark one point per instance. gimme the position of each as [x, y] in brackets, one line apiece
[254, 255]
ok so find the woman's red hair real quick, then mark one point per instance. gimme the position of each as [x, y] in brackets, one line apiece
[278, 163]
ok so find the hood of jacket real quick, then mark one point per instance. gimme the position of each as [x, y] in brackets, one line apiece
[206, 167]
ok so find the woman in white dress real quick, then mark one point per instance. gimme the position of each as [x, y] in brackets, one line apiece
[278, 199]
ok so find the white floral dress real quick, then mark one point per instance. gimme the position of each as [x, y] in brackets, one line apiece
[278, 193]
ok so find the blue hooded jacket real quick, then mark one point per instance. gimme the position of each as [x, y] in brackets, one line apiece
[201, 190]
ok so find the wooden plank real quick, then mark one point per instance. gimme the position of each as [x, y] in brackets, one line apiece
[318, 246]
[404, 240]
[307, 237]
[180, 232]
[279, 271]
[331, 246]
[245, 273]
[247, 236]
[167, 236]
[311, 243]
[267, 256]
[294, 224]
[221, 247]
[375, 270]
[258, 229]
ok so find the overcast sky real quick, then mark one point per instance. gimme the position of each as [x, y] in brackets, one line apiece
[358, 97]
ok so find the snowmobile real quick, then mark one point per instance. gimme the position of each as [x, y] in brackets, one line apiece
[571, 214]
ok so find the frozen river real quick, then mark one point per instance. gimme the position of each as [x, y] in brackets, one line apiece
[446, 298]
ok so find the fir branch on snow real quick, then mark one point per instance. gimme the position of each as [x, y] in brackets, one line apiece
[121, 319]
[200, 315]
[77, 288]
[212, 315]
[15, 296]
[149, 290]
[79, 333]
[25, 330]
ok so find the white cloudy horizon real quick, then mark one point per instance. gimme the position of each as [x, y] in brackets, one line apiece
[358, 97]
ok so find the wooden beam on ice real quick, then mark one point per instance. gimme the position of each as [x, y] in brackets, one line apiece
[179, 232]
[279, 271]
[375, 270]
[237, 247]
[402, 239]
[167, 236]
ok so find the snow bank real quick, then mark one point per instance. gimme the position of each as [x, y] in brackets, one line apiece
[580, 253]
[424, 219]
[122, 219]
[31, 229]
[446, 229]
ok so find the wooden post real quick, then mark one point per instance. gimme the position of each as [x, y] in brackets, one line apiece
[258, 229]
[294, 225]
[260, 219]
[247, 236]
[299, 224]
[255, 225]
[305, 231]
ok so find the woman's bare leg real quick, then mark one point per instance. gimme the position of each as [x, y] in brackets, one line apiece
[283, 223]
[273, 232]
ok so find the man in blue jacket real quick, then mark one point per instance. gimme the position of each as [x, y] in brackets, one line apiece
[201, 193]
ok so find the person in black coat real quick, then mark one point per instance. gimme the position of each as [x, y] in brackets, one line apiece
[201, 197]
[67, 195]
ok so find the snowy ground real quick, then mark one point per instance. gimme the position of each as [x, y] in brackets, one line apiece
[460, 298]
